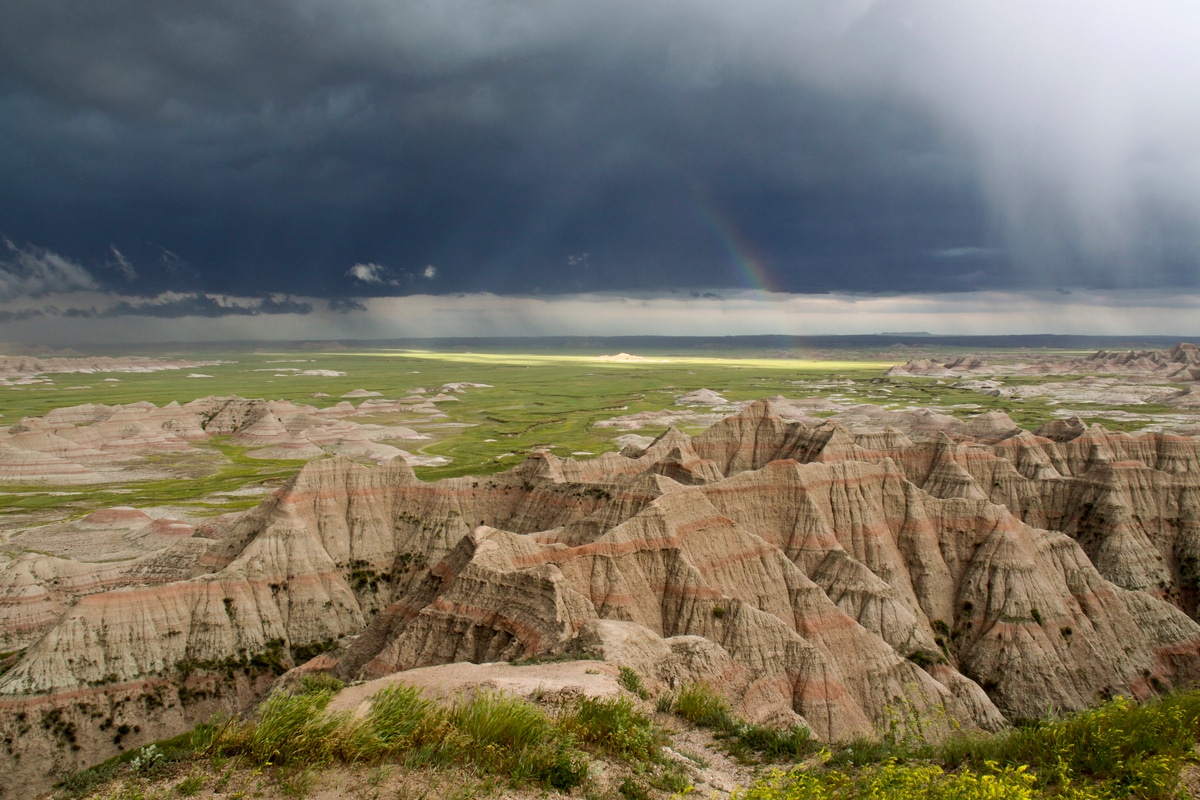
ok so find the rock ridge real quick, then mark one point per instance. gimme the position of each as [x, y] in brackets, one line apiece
[845, 575]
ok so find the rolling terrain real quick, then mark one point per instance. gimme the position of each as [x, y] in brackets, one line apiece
[815, 568]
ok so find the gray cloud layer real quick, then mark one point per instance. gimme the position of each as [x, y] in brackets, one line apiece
[810, 145]
[36, 272]
[1130, 313]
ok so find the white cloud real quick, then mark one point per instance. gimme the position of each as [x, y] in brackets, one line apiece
[430, 272]
[122, 263]
[371, 273]
[35, 272]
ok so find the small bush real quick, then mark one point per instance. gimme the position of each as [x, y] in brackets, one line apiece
[700, 705]
[673, 779]
[633, 789]
[86, 781]
[315, 682]
[551, 658]
[861, 751]
[146, 760]
[190, 786]
[614, 726]
[925, 659]
[632, 682]
[793, 743]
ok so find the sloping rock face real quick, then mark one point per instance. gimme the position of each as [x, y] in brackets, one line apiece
[1132, 501]
[850, 576]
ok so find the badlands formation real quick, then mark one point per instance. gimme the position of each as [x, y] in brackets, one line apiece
[1170, 377]
[1181, 363]
[26, 370]
[848, 574]
[97, 443]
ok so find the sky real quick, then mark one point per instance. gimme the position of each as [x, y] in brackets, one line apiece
[360, 168]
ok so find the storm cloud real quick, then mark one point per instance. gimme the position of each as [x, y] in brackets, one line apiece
[337, 150]
[36, 272]
[199, 304]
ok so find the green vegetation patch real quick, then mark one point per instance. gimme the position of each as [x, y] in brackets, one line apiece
[919, 781]
[491, 732]
[531, 400]
[1118, 750]
[700, 705]
[632, 682]
[614, 726]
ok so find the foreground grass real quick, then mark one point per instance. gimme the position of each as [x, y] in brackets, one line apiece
[489, 734]
[703, 707]
[1118, 750]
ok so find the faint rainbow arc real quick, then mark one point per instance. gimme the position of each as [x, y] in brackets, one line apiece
[748, 264]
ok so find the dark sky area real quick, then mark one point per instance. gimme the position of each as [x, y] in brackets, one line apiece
[372, 148]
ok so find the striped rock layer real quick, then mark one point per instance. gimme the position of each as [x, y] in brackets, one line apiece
[850, 578]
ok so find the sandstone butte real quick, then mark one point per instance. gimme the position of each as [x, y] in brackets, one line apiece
[847, 575]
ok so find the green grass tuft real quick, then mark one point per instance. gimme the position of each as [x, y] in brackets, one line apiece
[294, 728]
[632, 682]
[614, 726]
[774, 743]
[316, 682]
[700, 705]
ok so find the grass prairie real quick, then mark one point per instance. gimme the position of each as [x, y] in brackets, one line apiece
[531, 400]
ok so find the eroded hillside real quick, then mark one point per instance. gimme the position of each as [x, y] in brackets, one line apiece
[843, 574]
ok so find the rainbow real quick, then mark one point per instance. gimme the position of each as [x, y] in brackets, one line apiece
[748, 264]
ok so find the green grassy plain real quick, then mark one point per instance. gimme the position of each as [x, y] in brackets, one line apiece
[534, 400]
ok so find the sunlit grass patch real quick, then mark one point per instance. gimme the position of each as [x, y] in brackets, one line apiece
[648, 360]
[1125, 747]
[895, 781]
[1115, 751]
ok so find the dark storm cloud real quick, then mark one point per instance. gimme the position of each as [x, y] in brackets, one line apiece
[346, 305]
[345, 149]
[20, 316]
[200, 305]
